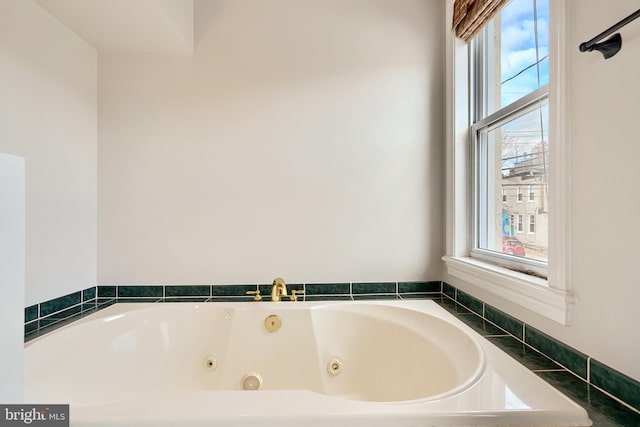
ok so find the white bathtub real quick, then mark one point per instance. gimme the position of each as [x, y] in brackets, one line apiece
[387, 363]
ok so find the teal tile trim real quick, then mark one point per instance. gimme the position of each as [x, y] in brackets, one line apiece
[374, 288]
[107, 292]
[504, 321]
[449, 290]
[419, 287]
[51, 314]
[187, 291]
[568, 357]
[60, 303]
[30, 313]
[142, 291]
[471, 303]
[89, 294]
[327, 288]
[620, 385]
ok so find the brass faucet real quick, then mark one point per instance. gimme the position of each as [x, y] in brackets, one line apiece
[278, 289]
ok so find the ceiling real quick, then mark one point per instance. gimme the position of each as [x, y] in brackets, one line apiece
[128, 25]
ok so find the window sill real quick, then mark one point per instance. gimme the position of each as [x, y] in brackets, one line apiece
[529, 292]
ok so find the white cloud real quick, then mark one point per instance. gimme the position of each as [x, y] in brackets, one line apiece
[514, 62]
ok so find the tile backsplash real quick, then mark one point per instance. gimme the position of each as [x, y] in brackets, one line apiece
[48, 315]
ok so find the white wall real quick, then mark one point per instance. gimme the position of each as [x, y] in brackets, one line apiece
[605, 206]
[48, 116]
[12, 232]
[301, 139]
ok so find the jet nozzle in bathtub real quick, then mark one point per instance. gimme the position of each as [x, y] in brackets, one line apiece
[210, 363]
[334, 367]
[252, 381]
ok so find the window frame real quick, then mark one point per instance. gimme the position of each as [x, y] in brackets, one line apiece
[520, 224]
[484, 121]
[531, 224]
[514, 291]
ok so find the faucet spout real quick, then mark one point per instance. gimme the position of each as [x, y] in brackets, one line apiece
[278, 289]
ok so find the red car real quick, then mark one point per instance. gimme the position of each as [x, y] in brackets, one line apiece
[512, 246]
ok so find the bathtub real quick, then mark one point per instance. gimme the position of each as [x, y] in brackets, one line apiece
[363, 363]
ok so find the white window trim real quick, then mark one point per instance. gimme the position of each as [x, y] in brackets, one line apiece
[551, 298]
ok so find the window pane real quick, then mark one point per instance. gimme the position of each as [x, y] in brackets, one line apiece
[516, 53]
[513, 156]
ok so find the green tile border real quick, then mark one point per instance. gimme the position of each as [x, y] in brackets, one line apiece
[141, 291]
[420, 287]
[568, 357]
[374, 288]
[89, 294]
[187, 291]
[504, 321]
[31, 313]
[471, 303]
[107, 291]
[61, 303]
[327, 288]
[449, 290]
[620, 385]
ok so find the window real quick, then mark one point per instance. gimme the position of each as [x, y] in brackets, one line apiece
[532, 224]
[510, 144]
[519, 229]
[532, 196]
[465, 263]
[504, 195]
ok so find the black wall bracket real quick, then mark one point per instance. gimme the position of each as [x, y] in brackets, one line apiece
[613, 44]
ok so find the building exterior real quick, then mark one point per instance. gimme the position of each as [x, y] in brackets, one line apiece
[524, 202]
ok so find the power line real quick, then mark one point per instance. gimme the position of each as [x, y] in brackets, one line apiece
[525, 69]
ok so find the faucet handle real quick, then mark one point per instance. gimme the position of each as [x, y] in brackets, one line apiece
[294, 294]
[256, 293]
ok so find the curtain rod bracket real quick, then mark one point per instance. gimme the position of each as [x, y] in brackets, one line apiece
[613, 44]
[607, 48]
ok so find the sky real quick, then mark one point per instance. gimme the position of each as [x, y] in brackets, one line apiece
[519, 48]
[519, 73]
